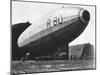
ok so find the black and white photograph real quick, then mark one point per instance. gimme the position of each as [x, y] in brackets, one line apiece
[52, 37]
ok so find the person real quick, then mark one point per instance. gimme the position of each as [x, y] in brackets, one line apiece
[24, 58]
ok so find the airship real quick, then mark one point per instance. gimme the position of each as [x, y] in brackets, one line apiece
[50, 32]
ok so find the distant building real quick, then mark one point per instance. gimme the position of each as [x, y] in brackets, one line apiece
[81, 51]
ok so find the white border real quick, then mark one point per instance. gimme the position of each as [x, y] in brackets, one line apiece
[5, 37]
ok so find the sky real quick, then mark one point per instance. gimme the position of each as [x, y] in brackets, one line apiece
[30, 11]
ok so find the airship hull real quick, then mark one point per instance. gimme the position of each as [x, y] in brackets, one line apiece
[65, 25]
[46, 45]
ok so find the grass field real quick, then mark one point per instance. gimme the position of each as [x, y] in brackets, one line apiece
[19, 67]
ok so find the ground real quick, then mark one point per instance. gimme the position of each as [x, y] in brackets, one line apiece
[19, 67]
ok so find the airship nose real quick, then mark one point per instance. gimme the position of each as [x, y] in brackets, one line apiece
[84, 16]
